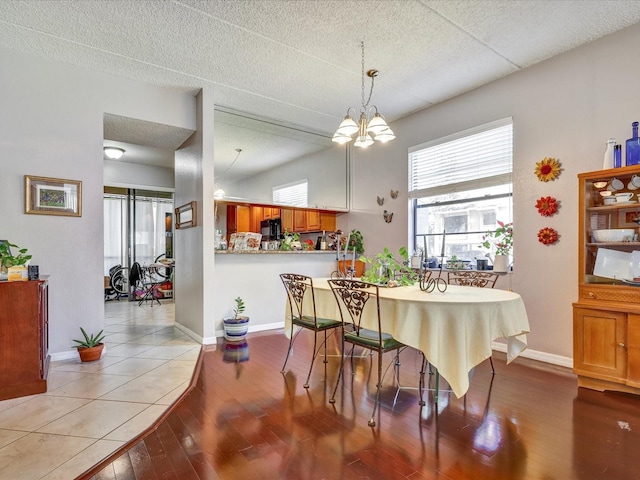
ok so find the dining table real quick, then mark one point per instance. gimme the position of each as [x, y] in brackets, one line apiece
[454, 329]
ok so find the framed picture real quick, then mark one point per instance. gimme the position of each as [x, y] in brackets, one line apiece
[52, 196]
[186, 215]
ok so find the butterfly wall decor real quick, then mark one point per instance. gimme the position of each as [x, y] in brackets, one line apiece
[380, 200]
[388, 216]
[394, 194]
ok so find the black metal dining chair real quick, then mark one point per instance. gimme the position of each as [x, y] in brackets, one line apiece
[299, 287]
[352, 297]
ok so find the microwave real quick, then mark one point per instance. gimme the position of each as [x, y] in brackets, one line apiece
[271, 229]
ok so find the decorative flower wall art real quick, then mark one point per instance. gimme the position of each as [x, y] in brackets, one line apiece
[548, 169]
[547, 206]
[548, 236]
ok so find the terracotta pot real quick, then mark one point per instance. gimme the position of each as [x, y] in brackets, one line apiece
[91, 354]
[344, 265]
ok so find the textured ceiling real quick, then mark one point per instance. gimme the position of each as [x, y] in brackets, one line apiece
[299, 61]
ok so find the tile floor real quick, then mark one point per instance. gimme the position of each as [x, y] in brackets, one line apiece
[90, 410]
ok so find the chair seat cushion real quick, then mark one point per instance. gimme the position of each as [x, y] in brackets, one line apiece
[322, 323]
[369, 338]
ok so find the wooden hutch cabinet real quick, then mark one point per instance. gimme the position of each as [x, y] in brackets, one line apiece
[606, 317]
[24, 339]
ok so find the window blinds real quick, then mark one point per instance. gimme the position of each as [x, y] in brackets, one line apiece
[291, 194]
[480, 157]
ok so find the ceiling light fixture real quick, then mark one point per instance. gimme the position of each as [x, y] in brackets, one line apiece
[370, 121]
[114, 153]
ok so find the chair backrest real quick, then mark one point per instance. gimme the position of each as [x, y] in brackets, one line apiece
[352, 297]
[298, 287]
[472, 278]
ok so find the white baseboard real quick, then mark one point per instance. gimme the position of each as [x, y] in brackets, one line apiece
[56, 357]
[537, 355]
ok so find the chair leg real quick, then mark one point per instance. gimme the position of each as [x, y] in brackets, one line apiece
[372, 421]
[313, 358]
[340, 372]
[423, 367]
[288, 349]
[325, 347]
[493, 370]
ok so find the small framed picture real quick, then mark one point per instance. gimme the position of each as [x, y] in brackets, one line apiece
[52, 196]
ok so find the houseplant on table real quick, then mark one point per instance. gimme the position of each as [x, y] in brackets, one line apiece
[91, 346]
[236, 327]
[8, 260]
[499, 240]
[386, 270]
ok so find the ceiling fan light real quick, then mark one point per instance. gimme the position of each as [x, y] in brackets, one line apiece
[114, 153]
[348, 126]
[363, 141]
[218, 194]
[377, 125]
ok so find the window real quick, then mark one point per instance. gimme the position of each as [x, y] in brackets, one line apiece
[460, 187]
[291, 194]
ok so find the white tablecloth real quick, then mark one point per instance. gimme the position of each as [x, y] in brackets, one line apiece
[454, 329]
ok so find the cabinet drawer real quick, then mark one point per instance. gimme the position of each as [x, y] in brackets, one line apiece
[611, 294]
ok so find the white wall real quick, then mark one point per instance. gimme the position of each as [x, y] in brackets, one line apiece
[51, 125]
[326, 172]
[194, 246]
[566, 108]
[132, 175]
[255, 278]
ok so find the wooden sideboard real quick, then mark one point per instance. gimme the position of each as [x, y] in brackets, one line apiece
[24, 338]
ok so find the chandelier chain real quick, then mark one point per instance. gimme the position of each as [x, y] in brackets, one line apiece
[365, 104]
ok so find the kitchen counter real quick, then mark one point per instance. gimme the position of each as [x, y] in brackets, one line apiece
[272, 252]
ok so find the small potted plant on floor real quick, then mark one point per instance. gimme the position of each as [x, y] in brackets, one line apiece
[236, 327]
[90, 348]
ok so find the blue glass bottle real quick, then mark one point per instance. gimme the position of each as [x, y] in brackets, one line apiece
[617, 156]
[633, 147]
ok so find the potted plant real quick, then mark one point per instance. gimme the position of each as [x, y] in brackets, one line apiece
[7, 260]
[352, 252]
[386, 270]
[90, 347]
[499, 240]
[236, 327]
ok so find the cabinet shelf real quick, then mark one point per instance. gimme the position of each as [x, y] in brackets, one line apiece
[613, 244]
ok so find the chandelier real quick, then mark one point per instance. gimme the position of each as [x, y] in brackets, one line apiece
[370, 124]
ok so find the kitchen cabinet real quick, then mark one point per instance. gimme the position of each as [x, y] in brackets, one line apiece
[247, 218]
[286, 219]
[271, 213]
[24, 338]
[313, 221]
[300, 221]
[606, 316]
[256, 216]
[238, 219]
[328, 222]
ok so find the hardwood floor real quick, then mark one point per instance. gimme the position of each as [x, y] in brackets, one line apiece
[245, 420]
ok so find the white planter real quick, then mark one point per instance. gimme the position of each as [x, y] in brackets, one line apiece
[501, 264]
[235, 329]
